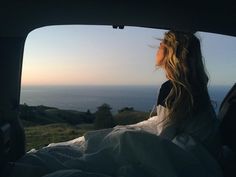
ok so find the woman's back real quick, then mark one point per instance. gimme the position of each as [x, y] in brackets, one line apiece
[184, 98]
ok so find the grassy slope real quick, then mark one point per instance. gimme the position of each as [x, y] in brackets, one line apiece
[59, 125]
[42, 135]
[130, 117]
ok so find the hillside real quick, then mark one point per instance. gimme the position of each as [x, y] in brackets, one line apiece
[45, 125]
[42, 135]
[42, 115]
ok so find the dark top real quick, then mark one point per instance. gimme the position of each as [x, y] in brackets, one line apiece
[164, 92]
[201, 97]
[203, 127]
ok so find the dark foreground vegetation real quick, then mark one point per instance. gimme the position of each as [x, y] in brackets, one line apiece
[44, 125]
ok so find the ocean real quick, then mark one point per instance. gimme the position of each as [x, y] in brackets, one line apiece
[83, 98]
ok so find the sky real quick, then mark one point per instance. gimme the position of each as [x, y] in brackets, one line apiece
[101, 55]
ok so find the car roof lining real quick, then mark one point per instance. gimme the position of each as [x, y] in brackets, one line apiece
[19, 18]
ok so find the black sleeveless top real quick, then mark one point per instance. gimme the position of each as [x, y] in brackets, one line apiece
[164, 92]
[201, 98]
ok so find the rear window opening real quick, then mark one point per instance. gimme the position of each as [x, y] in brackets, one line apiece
[70, 72]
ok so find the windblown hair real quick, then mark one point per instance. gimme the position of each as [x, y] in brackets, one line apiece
[184, 67]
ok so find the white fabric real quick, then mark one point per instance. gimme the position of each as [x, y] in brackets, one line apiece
[152, 125]
[119, 152]
[123, 151]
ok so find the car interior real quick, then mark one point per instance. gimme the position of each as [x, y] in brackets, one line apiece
[19, 18]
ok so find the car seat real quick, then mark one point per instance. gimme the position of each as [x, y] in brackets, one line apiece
[227, 128]
[12, 144]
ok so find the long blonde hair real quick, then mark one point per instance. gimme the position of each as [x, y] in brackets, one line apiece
[184, 67]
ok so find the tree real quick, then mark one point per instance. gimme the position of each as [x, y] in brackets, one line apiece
[88, 112]
[126, 109]
[103, 117]
[89, 117]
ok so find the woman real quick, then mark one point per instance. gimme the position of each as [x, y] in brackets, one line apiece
[183, 106]
[184, 98]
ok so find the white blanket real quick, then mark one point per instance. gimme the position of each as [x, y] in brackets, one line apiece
[123, 151]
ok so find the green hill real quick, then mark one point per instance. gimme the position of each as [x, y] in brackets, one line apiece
[42, 135]
[42, 115]
[130, 117]
[45, 125]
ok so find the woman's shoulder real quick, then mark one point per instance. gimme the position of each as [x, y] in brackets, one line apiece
[164, 92]
[167, 85]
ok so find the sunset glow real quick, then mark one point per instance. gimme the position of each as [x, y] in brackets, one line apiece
[101, 55]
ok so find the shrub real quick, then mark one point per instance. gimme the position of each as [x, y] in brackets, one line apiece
[103, 117]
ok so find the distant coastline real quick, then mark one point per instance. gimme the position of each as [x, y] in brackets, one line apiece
[82, 98]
